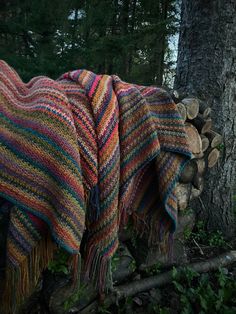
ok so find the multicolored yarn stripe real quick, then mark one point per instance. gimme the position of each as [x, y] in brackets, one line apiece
[84, 152]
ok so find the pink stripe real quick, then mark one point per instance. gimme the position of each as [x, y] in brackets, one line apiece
[44, 130]
[38, 222]
[94, 85]
[73, 74]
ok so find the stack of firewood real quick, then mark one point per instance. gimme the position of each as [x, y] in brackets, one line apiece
[204, 143]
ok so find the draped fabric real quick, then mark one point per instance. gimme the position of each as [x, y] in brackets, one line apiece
[79, 154]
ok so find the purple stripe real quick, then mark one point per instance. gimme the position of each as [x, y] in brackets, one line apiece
[53, 201]
[16, 235]
[43, 129]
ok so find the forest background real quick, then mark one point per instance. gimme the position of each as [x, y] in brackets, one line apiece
[137, 40]
[130, 38]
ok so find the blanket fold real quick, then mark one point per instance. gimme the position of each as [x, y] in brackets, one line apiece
[84, 152]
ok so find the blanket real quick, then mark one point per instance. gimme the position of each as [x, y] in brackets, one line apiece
[78, 156]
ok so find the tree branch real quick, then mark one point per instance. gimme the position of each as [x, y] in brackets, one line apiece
[145, 284]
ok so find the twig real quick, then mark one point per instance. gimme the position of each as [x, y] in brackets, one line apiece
[200, 249]
[202, 204]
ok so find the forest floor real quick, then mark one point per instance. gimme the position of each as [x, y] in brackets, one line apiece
[189, 291]
[185, 291]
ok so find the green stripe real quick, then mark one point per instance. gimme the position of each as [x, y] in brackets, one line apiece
[138, 149]
[44, 138]
[46, 171]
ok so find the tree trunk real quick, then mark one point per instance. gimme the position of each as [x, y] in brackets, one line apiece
[206, 68]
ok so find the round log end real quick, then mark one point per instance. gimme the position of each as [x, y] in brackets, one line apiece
[213, 157]
[194, 138]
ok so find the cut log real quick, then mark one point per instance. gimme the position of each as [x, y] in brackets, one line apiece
[205, 142]
[201, 166]
[202, 125]
[182, 192]
[195, 193]
[215, 139]
[204, 109]
[198, 181]
[206, 113]
[213, 157]
[192, 107]
[182, 110]
[175, 95]
[189, 172]
[194, 138]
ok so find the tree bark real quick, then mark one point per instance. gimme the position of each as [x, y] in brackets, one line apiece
[206, 68]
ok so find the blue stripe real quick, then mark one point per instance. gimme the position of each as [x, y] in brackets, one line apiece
[46, 170]
[41, 136]
[44, 218]
[59, 208]
[104, 106]
[139, 149]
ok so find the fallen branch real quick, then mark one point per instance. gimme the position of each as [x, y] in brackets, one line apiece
[131, 289]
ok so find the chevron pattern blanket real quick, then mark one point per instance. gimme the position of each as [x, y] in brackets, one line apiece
[78, 156]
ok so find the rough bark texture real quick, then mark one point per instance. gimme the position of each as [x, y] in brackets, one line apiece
[207, 69]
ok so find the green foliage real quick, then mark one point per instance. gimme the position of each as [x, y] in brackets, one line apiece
[59, 263]
[216, 239]
[220, 147]
[187, 211]
[103, 310]
[153, 270]
[132, 265]
[199, 294]
[76, 296]
[114, 262]
[187, 233]
[202, 236]
[126, 306]
[128, 38]
[157, 309]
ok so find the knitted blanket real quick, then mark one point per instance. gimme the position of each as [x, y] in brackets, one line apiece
[77, 157]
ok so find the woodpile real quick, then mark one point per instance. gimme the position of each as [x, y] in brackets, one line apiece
[204, 143]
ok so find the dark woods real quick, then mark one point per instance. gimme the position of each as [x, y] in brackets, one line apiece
[124, 37]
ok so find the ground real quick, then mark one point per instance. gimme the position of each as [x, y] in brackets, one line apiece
[188, 292]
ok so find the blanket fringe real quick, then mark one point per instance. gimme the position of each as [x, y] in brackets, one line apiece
[20, 281]
[75, 266]
[156, 231]
[97, 268]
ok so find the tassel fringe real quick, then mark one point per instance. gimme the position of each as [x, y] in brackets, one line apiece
[98, 269]
[20, 281]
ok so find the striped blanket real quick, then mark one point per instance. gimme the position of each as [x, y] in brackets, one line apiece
[77, 157]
